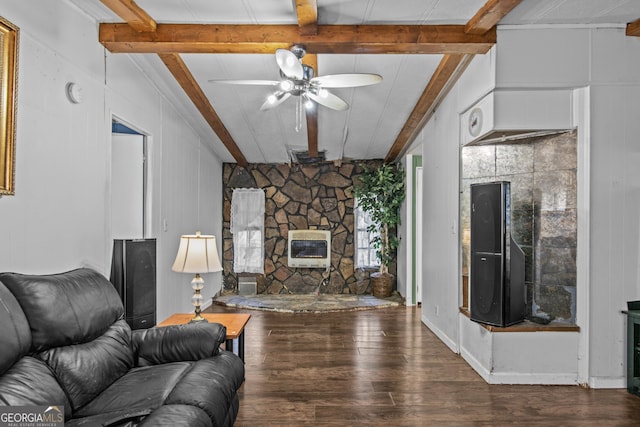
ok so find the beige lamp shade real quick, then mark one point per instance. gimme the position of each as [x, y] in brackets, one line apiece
[197, 254]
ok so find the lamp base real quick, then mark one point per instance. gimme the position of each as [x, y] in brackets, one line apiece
[198, 319]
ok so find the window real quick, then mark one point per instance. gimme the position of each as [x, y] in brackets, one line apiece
[247, 227]
[248, 251]
[365, 252]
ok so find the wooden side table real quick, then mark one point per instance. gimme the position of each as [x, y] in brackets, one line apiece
[234, 322]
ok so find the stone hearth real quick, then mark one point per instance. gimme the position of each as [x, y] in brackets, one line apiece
[322, 303]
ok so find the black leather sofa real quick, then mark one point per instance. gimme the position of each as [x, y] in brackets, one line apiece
[64, 342]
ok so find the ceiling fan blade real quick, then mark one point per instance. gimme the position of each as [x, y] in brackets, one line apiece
[329, 100]
[289, 64]
[274, 100]
[247, 82]
[346, 80]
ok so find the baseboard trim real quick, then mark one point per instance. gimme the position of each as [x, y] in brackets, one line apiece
[441, 335]
[536, 379]
[607, 382]
[475, 364]
[518, 378]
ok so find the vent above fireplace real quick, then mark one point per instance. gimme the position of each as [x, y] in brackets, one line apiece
[304, 158]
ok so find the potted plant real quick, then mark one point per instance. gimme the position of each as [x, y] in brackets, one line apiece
[380, 191]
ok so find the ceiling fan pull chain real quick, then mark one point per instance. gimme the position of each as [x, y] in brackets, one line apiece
[299, 114]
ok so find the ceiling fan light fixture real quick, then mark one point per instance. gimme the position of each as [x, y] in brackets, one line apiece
[298, 79]
[286, 85]
[308, 103]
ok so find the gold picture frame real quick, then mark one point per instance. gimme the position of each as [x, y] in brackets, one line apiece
[8, 101]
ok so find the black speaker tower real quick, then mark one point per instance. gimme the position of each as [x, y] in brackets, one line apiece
[133, 273]
[497, 290]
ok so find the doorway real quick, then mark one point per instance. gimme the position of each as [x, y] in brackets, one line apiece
[128, 182]
[418, 235]
[414, 230]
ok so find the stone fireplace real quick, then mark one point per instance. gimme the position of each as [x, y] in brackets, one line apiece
[299, 197]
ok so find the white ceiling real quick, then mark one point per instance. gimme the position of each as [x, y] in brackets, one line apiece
[376, 114]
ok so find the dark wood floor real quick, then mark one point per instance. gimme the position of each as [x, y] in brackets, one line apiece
[385, 368]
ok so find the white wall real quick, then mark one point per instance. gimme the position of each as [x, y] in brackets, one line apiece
[59, 218]
[441, 185]
[56, 220]
[605, 61]
[441, 275]
[615, 231]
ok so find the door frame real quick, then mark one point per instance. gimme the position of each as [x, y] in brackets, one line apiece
[414, 229]
[123, 126]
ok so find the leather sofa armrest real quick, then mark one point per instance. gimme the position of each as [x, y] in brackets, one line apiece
[193, 341]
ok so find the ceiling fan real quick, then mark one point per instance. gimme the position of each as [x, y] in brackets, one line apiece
[298, 80]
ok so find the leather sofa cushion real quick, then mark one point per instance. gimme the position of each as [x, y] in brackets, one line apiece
[178, 342]
[15, 336]
[141, 389]
[31, 382]
[85, 370]
[63, 309]
[175, 415]
[210, 385]
[122, 418]
[169, 416]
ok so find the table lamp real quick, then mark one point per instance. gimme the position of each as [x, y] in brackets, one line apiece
[197, 254]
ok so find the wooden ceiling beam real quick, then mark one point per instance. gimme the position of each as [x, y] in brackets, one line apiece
[181, 73]
[354, 39]
[312, 113]
[307, 11]
[489, 15]
[633, 28]
[132, 14]
[447, 73]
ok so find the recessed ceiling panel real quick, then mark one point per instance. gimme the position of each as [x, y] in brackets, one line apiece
[454, 11]
[341, 12]
[221, 11]
[573, 12]
[421, 11]
[376, 113]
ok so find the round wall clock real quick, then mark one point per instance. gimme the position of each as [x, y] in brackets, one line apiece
[74, 92]
[475, 121]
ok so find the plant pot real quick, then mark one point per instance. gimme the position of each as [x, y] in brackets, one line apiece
[381, 284]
